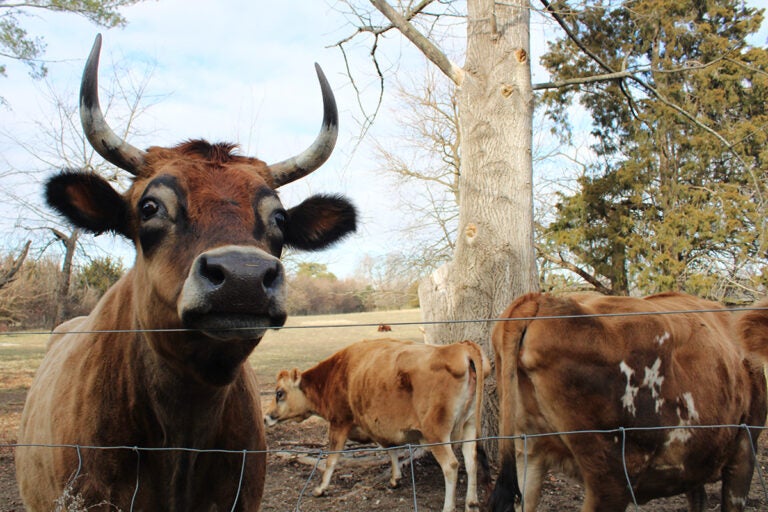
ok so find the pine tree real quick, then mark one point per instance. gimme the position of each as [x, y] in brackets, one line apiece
[678, 198]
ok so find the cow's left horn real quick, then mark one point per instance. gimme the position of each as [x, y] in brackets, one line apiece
[313, 157]
[113, 148]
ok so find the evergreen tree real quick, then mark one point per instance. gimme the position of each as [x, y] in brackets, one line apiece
[677, 199]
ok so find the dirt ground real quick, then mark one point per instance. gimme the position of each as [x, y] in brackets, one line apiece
[360, 482]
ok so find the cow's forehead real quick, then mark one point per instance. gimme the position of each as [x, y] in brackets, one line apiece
[206, 179]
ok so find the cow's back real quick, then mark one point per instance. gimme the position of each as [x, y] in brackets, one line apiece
[394, 385]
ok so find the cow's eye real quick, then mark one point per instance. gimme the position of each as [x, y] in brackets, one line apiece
[148, 208]
[279, 394]
[280, 218]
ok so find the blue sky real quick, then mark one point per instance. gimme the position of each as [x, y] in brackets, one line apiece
[239, 72]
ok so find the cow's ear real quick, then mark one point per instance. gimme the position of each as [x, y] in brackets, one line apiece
[296, 376]
[88, 201]
[320, 221]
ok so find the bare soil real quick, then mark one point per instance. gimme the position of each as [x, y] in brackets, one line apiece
[360, 481]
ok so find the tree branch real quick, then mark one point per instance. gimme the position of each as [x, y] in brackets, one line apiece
[582, 80]
[589, 278]
[10, 274]
[430, 51]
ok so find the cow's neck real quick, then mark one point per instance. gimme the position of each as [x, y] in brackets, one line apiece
[178, 401]
[325, 379]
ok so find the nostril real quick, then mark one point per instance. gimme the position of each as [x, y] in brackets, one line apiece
[271, 276]
[213, 272]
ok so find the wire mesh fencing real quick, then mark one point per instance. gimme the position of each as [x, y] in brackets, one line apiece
[423, 496]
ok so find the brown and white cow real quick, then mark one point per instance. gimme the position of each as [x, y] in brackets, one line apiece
[160, 363]
[393, 393]
[632, 370]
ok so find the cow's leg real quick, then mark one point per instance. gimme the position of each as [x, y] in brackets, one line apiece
[394, 481]
[450, 465]
[530, 473]
[337, 436]
[604, 492]
[737, 476]
[697, 499]
[469, 452]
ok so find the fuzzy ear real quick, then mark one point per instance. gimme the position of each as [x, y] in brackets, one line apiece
[320, 221]
[296, 376]
[88, 202]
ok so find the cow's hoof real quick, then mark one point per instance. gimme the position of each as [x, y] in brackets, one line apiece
[317, 492]
[471, 506]
[394, 484]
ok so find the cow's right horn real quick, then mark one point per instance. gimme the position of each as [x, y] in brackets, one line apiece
[315, 155]
[113, 148]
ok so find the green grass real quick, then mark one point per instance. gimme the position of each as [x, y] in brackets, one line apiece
[304, 341]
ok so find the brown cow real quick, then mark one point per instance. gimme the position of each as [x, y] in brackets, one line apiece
[393, 393]
[160, 363]
[634, 370]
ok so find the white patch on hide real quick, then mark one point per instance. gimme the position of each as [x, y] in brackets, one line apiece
[692, 415]
[738, 502]
[681, 435]
[628, 400]
[664, 337]
[653, 380]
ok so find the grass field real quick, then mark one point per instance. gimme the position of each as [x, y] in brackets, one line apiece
[304, 341]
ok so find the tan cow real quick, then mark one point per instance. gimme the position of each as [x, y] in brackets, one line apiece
[636, 370]
[393, 393]
[160, 363]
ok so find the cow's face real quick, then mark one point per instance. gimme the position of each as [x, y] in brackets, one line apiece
[209, 229]
[208, 236]
[289, 403]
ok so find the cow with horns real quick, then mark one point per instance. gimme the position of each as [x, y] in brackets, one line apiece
[631, 382]
[160, 363]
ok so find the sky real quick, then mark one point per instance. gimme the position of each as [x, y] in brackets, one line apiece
[240, 72]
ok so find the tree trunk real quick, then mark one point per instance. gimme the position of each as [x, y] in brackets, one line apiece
[494, 260]
[62, 290]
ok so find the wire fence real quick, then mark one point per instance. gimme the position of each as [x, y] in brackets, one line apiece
[418, 323]
[319, 454]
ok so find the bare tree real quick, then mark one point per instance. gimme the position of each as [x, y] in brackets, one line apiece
[59, 143]
[423, 159]
[493, 259]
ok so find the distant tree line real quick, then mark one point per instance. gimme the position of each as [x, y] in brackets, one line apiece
[29, 299]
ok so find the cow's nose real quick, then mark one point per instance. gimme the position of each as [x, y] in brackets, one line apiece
[236, 282]
[232, 274]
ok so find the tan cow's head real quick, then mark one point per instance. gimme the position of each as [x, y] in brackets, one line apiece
[209, 229]
[290, 403]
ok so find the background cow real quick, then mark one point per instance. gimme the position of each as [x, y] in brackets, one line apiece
[161, 360]
[393, 393]
[605, 372]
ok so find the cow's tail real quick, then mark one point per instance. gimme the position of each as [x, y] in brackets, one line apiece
[507, 342]
[482, 368]
[753, 330]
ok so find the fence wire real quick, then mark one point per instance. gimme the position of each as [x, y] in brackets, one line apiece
[420, 322]
[319, 454]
